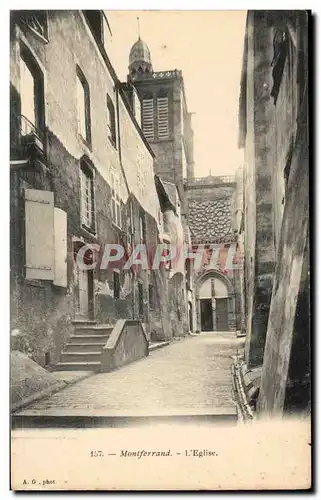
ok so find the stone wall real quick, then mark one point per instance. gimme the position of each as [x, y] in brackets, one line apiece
[273, 124]
[209, 209]
[258, 236]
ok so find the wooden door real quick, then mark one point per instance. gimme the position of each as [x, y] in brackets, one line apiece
[221, 315]
[206, 315]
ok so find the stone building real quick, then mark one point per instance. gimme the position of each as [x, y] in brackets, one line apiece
[158, 100]
[82, 172]
[274, 136]
[211, 208]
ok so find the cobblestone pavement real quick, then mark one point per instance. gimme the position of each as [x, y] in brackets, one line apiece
[192, 375]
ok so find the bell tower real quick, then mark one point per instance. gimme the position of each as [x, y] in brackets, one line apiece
[139, 60]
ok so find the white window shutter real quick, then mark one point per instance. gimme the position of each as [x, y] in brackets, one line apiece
[148, 118]
[39, 234]
[60, 233]
[162, 117]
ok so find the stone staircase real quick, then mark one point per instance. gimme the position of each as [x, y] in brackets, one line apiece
[84, 348]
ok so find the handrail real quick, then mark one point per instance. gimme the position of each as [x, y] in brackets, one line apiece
[111, 357]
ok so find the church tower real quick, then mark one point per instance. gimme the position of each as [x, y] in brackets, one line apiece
[164, 119]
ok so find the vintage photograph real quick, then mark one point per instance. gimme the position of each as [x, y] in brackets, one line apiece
[159, 250]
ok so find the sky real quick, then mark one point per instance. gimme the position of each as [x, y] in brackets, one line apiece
[208, 47]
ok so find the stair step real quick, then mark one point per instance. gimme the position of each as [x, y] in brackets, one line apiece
[93, 329]
[81, 365]
[80, 356]
[88, 339]
[84, 347]
[84, 322]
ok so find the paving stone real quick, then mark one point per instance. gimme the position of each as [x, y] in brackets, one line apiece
[185, 376]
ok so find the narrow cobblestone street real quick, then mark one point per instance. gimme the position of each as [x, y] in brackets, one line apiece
[190, 376]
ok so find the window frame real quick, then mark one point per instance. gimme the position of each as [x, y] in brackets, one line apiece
[111, 122]
[81, 79]
[27, 58]
[87, 172]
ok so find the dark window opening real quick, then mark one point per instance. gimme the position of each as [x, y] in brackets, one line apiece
[142, 228]
[83, 106]
[31, 95]
[151, 297]
[111, 121]
[116, 279]
[281, 48]
[47, 358]
[140, 299]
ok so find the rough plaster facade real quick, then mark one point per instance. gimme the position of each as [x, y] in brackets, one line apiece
[43, 314]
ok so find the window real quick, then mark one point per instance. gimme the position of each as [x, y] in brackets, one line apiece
[83, 106]
[281, 48]
[148, 118]
[111, 122]
[31, 94]
[87, 197]
[116, 279]
[151, 297]
[142, 228]
[140, 299]
[162, 117]
[115, 200]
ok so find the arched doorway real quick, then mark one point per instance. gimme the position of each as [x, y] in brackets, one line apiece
[215, 297]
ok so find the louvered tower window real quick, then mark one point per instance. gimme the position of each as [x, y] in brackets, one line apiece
[162, 117]
[148, 118]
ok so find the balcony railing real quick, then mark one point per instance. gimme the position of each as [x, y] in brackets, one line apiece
[27, 128]
[157, 74]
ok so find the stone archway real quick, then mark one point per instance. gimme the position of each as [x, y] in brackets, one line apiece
[215, 302]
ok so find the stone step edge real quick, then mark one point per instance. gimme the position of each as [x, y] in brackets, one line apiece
[80, 353]
[152, 347]
[86, 344]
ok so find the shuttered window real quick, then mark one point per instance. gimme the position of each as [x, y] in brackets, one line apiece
[162, 117]
[39, 235]
[148, 118]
